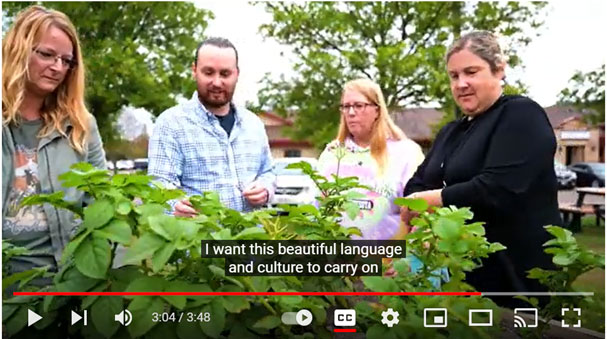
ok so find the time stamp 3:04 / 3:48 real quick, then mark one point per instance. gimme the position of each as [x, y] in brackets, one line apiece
[171, 317]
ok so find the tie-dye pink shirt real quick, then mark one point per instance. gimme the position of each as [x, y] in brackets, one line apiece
[378, 218]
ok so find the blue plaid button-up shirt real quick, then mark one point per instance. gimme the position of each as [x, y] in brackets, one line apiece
[190, 150]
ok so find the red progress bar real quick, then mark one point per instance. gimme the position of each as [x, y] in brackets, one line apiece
[249, 293]
[344, 330]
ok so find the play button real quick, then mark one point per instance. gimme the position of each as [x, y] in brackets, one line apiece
[32, 317]
[304, 318]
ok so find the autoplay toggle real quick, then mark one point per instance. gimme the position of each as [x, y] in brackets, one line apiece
[301, 318]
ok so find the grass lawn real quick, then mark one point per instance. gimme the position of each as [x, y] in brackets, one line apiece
[593, 237]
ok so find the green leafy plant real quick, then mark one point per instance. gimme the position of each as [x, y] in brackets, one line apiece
[572, 261]
[442, 239]
[321, 222]
[128, 243]
[9, 251]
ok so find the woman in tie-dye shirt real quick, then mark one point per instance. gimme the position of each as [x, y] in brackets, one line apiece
[377, 152]
[371, 147]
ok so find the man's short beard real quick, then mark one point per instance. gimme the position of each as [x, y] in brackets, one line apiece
[215, 104]
[210, 104]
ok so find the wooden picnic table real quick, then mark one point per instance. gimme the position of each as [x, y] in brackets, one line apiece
[572, 214]
[583, 191]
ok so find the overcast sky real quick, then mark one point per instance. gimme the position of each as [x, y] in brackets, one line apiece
[571, 39]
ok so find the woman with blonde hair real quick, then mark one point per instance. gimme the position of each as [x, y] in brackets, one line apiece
[376, 151]
[46, 128]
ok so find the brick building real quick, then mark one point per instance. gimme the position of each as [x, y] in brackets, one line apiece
[577, 141]
[281, 145]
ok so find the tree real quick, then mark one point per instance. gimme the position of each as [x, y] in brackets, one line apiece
[135, 53]
[118, 148]
[587, 91]
[400, 45]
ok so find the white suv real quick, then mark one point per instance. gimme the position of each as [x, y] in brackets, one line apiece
[293, 187]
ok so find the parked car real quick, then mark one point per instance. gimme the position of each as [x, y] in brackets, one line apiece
[124, 165]
[141, 164]
[589, 174]
[565, 177]
[293, 187]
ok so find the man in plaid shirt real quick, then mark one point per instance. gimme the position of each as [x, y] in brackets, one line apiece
[208, 144]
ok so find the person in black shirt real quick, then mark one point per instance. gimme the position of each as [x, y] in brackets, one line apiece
[499, 161]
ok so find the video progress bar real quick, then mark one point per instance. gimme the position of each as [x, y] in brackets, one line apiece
[346, 294]
[540, 294]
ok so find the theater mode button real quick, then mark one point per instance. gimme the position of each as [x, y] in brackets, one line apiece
[301, 318]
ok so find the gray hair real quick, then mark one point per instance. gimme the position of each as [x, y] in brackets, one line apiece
[483, 44]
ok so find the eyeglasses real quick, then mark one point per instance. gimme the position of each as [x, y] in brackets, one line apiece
[358, 107]
[49, 57]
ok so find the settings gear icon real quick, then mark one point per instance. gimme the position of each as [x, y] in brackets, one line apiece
[389, 317]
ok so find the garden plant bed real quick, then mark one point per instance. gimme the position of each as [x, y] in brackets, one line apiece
[162, 254]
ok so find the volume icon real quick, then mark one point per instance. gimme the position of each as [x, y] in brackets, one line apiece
[125, 317]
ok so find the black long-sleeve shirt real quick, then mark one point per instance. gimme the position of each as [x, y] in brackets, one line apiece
[501, 165]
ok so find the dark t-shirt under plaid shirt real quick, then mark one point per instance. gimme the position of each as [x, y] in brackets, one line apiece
[190, 150]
